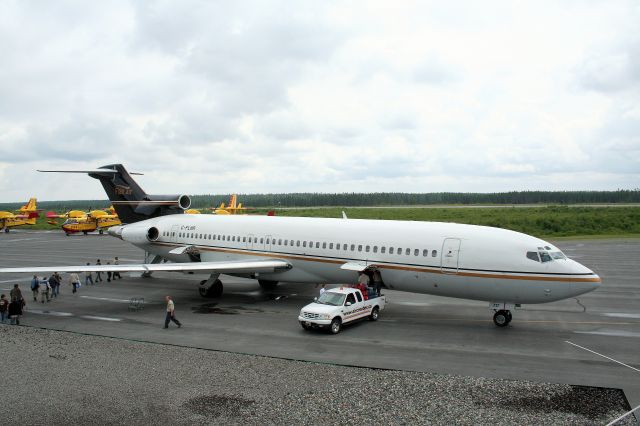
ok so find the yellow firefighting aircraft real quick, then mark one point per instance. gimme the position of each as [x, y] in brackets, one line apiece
[79, 221]
[28, 215]
[233, 208]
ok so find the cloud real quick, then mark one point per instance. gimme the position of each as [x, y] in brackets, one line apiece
[278, 97]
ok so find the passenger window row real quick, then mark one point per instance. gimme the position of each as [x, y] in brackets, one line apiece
[399, 251]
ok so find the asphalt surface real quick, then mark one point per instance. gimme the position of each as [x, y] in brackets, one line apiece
[415, 333]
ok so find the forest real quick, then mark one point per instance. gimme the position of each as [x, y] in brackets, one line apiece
[308, 199]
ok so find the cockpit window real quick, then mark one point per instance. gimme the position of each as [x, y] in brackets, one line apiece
[557, 255]
[533, 255]
[544, 256]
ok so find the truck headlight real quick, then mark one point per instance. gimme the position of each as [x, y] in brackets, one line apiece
[326, 316]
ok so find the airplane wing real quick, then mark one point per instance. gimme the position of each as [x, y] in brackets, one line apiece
[237, 267]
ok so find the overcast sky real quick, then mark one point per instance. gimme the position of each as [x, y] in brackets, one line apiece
[320, 96]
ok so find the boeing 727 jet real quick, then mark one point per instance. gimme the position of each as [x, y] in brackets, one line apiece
[499, 266]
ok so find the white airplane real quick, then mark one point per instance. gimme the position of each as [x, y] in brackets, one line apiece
[503, 267]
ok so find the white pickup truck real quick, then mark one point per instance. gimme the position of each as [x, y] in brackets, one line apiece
[339, 306]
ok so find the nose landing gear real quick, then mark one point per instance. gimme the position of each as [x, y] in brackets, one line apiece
[502, 318]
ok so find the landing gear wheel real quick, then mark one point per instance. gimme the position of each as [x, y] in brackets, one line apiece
[501, 318]
[101, 232]
[336, 325]
[214, 290]
[85, 232]
[267, 284]
[375, 313]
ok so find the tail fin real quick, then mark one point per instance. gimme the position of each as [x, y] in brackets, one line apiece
[130, 202]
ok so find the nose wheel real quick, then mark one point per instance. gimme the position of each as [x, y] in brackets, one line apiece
[502, 318]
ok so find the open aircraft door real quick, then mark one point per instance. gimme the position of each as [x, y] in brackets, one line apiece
[449, 255]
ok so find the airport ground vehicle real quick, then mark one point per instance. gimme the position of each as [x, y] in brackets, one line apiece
[339, 306]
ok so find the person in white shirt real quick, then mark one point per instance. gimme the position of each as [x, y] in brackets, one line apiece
[322, 289]
[171, 313]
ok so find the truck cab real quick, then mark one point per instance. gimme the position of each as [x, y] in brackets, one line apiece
[339, 306]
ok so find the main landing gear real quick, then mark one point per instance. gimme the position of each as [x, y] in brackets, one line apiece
[502, 318]
[212, 287]
[267, 284]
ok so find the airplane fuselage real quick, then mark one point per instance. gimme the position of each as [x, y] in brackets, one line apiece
[445, 259]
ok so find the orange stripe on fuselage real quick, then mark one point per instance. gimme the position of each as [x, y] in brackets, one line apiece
[394, 267]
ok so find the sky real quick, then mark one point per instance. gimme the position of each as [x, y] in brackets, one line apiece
[209, 97]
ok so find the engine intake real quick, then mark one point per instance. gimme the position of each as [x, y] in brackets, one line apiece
[153, 233]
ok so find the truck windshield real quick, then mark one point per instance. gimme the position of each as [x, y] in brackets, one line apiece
[331, 298]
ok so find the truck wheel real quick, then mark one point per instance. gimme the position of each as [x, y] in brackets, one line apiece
[336, 325]
[375, 314]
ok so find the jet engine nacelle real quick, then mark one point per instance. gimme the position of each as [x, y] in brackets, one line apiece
[138, 234]
[160, 205]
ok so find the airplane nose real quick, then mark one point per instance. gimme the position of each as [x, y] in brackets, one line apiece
[115, 231]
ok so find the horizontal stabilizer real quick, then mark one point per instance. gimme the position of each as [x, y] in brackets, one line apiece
[105, 172]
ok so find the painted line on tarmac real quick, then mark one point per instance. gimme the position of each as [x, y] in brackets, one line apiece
[613, 333]
[8, 281]
[22, 239]
[91, 317]
[603, 356]
[69, 314]
[107, 299]
[46, 312]
[621, 315]
[413, 303]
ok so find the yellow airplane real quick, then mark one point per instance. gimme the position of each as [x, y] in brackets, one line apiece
[79, 221]
[28, 215]
[233, 208]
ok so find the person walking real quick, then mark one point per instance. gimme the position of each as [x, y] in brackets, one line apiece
[98, 273]
[322, 289]
[116, 274]
[16, 305]
[35, 287]
[108, 274]
[171, 313]
[88, 278]
[55, 284]
[74, 280]
[4, 308]
[45, 288]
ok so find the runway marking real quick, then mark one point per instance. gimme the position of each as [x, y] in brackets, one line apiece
[8, 281]
[621, 315]
[413, 303]
[91, 317]
[22, 239]
[604, 356]
[106, 299]
[54, 313]
[614, 333]
[622, 416]
[69, 314]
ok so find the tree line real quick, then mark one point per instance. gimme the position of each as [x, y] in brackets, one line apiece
[354, 199]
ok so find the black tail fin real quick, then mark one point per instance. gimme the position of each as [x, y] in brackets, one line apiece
[129, 200]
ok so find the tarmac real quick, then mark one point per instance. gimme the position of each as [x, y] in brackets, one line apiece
[590, 341]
